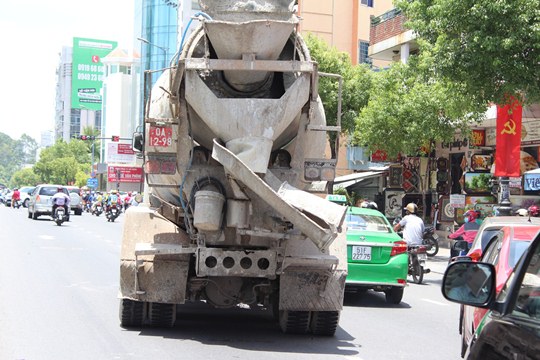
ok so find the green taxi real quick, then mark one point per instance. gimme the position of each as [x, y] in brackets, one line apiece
[377, 256]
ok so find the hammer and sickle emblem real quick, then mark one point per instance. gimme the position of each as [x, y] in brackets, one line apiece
[509, 128]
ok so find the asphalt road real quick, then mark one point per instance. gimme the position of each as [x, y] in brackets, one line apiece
[58, 300]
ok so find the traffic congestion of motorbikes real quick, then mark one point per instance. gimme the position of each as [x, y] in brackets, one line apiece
[111, 203]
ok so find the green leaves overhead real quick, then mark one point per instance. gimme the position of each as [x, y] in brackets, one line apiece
[492, 47]
[408, 109]
[356, 83]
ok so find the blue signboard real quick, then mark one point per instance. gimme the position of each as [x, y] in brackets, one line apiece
[92, 183]
[531, 180]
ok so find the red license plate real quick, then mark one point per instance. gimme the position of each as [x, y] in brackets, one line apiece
[160, 136]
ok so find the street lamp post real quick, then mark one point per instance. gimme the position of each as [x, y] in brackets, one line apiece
[165, 50]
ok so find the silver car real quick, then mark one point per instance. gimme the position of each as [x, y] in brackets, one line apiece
[76, 202]
[40, 200]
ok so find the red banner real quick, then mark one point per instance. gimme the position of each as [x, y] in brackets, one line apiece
[508, 140]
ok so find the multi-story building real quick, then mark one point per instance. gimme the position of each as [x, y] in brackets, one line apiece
[343, 24]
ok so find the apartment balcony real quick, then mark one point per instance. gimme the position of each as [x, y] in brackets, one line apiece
[389, 39]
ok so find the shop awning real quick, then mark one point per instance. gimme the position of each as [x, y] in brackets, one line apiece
[351, 179]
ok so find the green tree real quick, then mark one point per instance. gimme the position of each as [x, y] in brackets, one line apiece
[24, 177]
[61, 162]
[28, 146]
[408, 109]
[355, 90]
[491, 47]
[15, 153]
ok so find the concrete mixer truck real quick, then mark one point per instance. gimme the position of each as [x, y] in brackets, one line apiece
[234, 139]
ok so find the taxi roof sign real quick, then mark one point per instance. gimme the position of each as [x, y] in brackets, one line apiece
[342, 199]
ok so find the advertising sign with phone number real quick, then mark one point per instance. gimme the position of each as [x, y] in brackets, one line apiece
[160, 136]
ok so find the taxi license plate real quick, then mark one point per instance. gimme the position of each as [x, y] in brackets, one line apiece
[361, 253]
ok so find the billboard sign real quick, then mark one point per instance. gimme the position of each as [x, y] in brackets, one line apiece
[124, 174]
[88, 72]
[118, 153]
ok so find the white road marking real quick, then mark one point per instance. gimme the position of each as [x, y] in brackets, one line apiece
[46, 237]
[435, 302]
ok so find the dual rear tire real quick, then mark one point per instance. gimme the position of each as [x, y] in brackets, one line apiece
[139, 313]
[323, 323]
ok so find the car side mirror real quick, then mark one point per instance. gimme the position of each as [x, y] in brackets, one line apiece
[138, 142]
[469, 283]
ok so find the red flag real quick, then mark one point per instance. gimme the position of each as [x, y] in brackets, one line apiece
[508, 140]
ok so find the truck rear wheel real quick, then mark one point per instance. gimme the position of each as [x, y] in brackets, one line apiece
[294, 322]
[131, 313]
[324, 322]
[161, 315]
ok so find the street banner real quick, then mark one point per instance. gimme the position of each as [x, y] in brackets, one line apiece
[508, 141]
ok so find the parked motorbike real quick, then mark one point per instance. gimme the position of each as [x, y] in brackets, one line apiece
[60, 215]
[112, 212]
[431, 241]
[417, 262]
[98, 209]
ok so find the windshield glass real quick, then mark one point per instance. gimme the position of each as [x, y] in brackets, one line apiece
[517, 248]
[367, 223]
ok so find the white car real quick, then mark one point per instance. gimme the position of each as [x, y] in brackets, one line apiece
[25, 195]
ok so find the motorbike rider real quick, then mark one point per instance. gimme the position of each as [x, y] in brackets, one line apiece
[534, 211]
[15, 197]
[97, 201]
[60, 199]
[467, 231]
[412, 225]
[113, 198]
[127, 200]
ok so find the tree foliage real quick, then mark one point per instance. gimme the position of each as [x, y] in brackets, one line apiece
[60, 164]
[409, 109]
[355, 88]
[24, 177]
[14, 154]
[491, 47]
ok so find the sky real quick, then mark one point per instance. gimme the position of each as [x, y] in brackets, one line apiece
[32, 34]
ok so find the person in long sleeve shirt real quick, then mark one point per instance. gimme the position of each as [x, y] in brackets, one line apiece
[467, 231]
